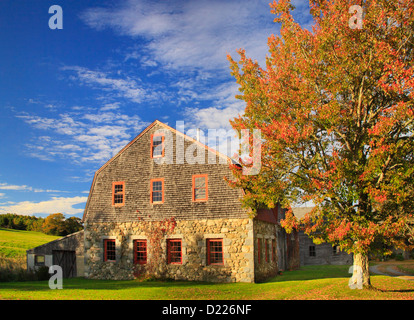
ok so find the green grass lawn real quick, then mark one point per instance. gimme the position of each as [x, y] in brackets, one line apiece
[310, 282]
[14, 243]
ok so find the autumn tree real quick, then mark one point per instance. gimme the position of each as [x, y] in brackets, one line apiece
[56, 224]
[72, 225]
[335, 108]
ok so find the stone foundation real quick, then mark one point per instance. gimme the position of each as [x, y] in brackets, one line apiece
[265, 250]
[238, 250]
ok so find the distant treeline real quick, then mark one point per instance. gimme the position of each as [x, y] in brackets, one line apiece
[55, 224]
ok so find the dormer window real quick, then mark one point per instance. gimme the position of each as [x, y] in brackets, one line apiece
[157, 145]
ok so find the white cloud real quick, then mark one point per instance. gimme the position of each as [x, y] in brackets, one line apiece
[225, 107]
[127, 88]
[56, 204]
[189, 34]
[110, 106]
[90, 137]
[6, 186]
[213, 117]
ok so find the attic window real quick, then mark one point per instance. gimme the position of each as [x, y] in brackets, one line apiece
[157, 190]
[200, 187]
[157, 145]
[118, 193]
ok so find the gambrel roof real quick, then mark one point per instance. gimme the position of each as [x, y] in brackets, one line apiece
[137, 138]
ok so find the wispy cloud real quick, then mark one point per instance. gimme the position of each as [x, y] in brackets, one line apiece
[189, 34]
[121, 87]
[90, 137]
[6, 186]
[63, 205]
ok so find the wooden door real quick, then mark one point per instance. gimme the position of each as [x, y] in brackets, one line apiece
[67, 261]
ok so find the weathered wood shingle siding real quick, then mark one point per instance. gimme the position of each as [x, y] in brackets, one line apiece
[136, 168]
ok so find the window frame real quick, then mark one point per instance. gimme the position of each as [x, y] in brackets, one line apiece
[267, 250]
[259, 250]
[274, 250]
[105, 242]
[117, 183]
[162, 145]
[136, 261]
[37, 263]
[162, 190]
[194, 188]
[208, 244]
[312, 251]
[169, 252]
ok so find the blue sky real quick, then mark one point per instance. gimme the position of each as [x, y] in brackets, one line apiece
[72, 98]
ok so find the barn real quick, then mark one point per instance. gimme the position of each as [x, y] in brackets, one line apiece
[318, 254]
[67, 252]
[146, 185]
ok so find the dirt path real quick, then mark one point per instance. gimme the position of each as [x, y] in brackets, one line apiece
[390, 268]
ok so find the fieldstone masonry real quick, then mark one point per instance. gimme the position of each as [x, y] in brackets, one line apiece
[238, 250]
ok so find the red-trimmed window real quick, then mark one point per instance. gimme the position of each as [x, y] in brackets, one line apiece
[267, 250]
[157, 190]
[274, 250]
[215, 251]
[140, 251]
[109, 250]
[157, 145]
[259, 250]
[174, 253]
[200, 187]
[118, 193]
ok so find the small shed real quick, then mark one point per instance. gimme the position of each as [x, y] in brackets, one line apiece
[67, 252]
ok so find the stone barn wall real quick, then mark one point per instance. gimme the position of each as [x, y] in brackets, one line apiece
[237, 235]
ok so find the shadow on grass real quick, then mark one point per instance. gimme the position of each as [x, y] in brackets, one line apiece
[402, 290]
[11, 230]
[304, 273]
[312, 273]
[95, 284]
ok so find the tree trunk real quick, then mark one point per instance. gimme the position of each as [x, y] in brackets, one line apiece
[360, 273]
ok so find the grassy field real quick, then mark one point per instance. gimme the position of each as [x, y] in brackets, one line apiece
[13, 246]
[14, 243]
[311, 282]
